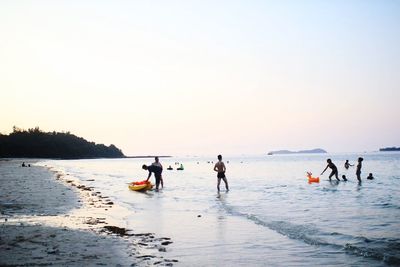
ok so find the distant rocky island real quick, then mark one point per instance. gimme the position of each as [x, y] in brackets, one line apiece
[390, 149]
[310, 151]
[34, 143]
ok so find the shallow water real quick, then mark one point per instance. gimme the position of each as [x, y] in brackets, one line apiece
[271, 216]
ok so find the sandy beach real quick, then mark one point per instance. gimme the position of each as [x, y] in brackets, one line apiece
[49, 219]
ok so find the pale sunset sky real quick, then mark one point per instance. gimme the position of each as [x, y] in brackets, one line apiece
[204, 77]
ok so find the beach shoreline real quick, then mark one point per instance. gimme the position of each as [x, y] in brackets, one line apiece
[48, 217]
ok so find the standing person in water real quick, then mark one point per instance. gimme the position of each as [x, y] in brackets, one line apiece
[333, 168]
[358, 171]
[347, 164]
[157, 173]
[158, 164]
[220, 169]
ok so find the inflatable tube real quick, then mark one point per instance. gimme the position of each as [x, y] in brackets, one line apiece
[140, 186]
[312, 179]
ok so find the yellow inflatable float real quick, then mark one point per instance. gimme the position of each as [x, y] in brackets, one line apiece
[140, 186]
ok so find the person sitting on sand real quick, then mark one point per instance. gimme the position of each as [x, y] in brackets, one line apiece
[157, 173]
[334, 170]
[344, 178]
[347, 164]
[370, 177]
[157, 163]
[220, 169]
[358, 171]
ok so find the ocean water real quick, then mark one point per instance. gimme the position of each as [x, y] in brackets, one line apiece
[270, 217]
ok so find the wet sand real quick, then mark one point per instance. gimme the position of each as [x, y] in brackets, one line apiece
[48, 218]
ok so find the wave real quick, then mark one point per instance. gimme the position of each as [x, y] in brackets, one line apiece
[382, 249]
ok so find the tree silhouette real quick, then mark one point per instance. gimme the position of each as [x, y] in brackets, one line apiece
[35, 143]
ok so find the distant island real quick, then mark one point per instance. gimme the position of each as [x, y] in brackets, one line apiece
[390, 149]
[311, 151]
[35, 143]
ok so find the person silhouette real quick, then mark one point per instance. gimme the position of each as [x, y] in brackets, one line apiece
[158, 164]
[333, 168]
[220, 169]
[358, 171]
[157, 173]
[347, 164]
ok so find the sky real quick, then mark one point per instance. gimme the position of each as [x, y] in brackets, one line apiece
[204, 77]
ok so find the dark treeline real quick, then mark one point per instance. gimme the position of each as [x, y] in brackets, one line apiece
[35, 143]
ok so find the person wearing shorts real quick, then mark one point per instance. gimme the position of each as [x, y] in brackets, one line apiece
[157, 173]
[220, 169]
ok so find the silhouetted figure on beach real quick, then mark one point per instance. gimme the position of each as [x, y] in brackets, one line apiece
[344, 178]
[157, 173]
[347, 164]
[23, 164]
[157, 163]
[220, 169]
[333, 168]
[169, 168]
[358, 171]
[370, 177]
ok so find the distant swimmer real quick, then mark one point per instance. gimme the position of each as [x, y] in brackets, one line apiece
[347, 164]
[180, 168]
[334, 170]
[220, 169]
[344, 178]
[358, 171]
[370, 177]
[23, 164]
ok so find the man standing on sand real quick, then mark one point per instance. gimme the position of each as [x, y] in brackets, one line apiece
[220, 169]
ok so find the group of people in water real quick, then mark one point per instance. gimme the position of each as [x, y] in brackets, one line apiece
[157, 169]
[347, 165]
[220, 168]
[25, 165]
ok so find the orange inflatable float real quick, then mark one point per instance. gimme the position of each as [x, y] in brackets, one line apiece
[312, 179]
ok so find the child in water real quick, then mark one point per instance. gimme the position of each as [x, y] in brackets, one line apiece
[347, 164]
[358, 171]
[334, 170]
